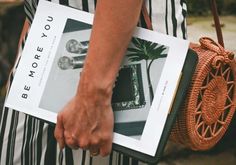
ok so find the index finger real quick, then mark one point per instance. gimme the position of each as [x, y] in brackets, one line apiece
[59, 132]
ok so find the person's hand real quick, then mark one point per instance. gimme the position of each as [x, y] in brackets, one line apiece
[87, 121]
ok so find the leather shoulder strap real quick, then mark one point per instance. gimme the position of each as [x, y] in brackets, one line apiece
[217, 22]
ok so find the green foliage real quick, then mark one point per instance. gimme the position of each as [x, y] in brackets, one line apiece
[202, 7]
[145, 50]
[230, 6]
[198, 7]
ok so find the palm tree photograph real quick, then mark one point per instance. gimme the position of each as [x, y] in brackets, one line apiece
[149, 52]
[136, 84]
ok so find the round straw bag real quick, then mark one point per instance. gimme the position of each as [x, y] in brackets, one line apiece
[210, 104]
[211, 99]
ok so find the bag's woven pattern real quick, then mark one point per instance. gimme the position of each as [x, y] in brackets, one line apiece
[211, 99]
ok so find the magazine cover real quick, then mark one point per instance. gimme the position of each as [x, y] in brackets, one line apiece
[53, 58]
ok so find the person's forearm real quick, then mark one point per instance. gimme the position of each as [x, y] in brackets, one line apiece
[113, 26]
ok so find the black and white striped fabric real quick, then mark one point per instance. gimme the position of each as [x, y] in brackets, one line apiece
[25, 140]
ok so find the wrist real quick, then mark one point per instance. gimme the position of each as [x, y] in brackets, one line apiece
[94, 88]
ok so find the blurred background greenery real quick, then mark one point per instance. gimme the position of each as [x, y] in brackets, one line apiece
[201, 7]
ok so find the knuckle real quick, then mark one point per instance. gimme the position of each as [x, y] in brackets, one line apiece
[70, 142]
[83, 143]
[95, 141]
[67, 134]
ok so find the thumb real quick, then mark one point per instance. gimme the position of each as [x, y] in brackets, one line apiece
[59, 132]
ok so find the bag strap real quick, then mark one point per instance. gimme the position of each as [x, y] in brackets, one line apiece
[217, 22]
[214, 13]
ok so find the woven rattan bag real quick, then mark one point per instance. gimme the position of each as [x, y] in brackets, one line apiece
[210, 103]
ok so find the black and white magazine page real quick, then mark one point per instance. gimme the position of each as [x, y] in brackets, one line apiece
[53, 58]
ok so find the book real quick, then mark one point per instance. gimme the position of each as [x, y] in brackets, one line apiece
[144, 92]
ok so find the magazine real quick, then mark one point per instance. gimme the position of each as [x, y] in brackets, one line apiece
[49, 71]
